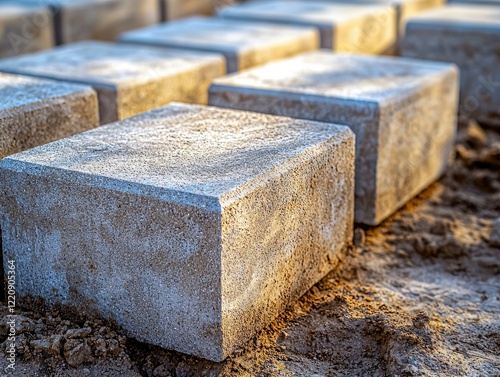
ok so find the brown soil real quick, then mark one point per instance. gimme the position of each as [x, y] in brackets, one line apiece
[418, 296]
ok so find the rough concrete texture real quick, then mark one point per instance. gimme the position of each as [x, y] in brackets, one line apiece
[174, 9]
[77, 20]
[34, 112]
[468, 36]
[343, 27]
[402, 111]
[192, 227]
[129, 79]
[24, 29]
[243, 44]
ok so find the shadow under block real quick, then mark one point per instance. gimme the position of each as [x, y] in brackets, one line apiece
[468, 36]
[77, 20]
[175, 9]
[356, 28]
[129, 79]
[35, 112]
[243, 44]
[402, 111]
[191, 227]
[24, 29]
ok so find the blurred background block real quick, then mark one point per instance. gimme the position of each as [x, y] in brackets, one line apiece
[76, 20]
[243, 44]
[469, 36]
[24, 29]
[174, 9]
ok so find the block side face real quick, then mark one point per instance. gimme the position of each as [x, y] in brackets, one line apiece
[475, 53]
[282, 238]
[51, 119]
[373, 33]
[150, 265]
[188, 85]
[308, 40]
[174, 9]
[105, 20]
[414, 156]
[361, 117]
[20, 34]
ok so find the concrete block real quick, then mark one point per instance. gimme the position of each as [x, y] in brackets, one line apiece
[475, 2]
[24, 29]
[129, 79]
[174, 9]
[468, 36]
[192, 227]
[243, 44]
[343, 27]
[34, 112]
[76, 20]
[402, 111]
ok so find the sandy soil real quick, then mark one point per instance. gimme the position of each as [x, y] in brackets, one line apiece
[417, 296]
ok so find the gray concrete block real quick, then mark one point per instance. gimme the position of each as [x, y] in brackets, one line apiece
[129, 79]
[402, 111]
[24, 29]
[243, 44]
[192, 227]
[34, 112]
[475, 2]
[175, 9]
[343, 27]
[468, 36]
[76, 20]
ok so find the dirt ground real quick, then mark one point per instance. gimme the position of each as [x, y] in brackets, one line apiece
[417, 296]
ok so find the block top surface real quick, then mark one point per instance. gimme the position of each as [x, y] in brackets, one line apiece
[184, 153]
[326, 74]
[460, 17]
[218, 33]
[16, 91]
[305, 12]
[107, 64]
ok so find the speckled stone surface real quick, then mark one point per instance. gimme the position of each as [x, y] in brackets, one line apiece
[356, 28]
[24, 29]
[244, 44]
[468, 36]
[77, 20]
[192, 227]
[174, 9]
[34, 112]
[402, 111]
[129, 79]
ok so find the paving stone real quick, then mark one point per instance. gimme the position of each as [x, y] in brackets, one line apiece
[402, 111]
[192, 227]
[174, 9]
[244, 44]
[404, 8]
[343, 27]
[129, 79]
[76, 20]
[468, 36]
[475, 2]
[34, 112]
[24, 29]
